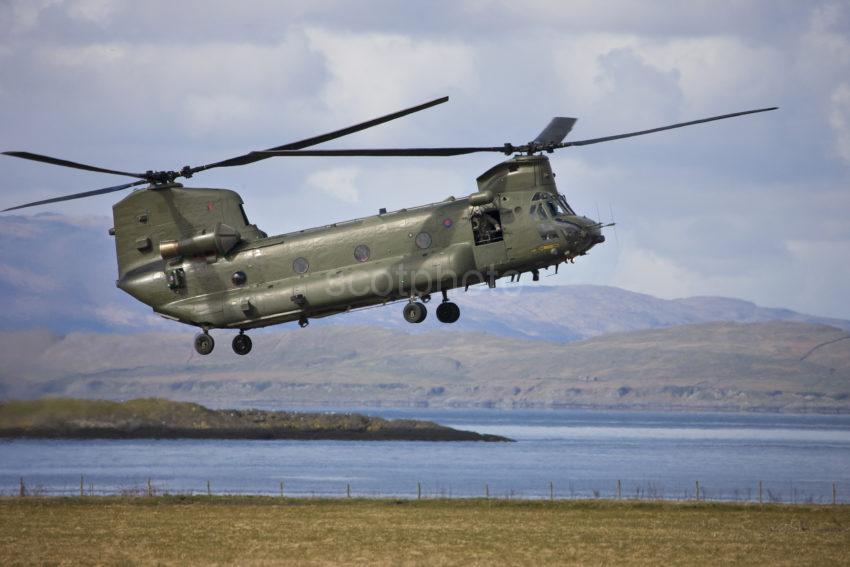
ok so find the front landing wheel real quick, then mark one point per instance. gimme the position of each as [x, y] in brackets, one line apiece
[415, 312]
[242, 344]
[204, 343]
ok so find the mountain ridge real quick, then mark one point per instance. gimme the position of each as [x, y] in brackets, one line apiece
[772, 366]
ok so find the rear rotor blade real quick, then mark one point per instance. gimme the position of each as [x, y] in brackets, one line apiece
[555, 131]
[73, 164]
[680, 125]
[252, 157]
[383, 152]
[79, 195]
[548, 140]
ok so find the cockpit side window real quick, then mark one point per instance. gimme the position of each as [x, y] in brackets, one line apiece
[538, 210]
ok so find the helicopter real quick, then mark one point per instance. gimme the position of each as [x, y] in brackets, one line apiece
[192, 255]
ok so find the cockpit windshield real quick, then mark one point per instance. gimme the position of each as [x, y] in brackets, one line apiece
[555, 204]
[565, 207]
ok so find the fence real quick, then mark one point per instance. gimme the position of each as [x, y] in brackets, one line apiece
[804, 492]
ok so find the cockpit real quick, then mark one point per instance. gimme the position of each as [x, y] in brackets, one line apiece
[556, 221]
[548, 209]
[549, 205]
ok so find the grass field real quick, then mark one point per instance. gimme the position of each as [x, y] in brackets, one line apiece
[263, 531]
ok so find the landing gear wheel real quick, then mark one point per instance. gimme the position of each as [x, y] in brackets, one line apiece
[448, 312]
[204, 343]
[242, 344]
[415, 312]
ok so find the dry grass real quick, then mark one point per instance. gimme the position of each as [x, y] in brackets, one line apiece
[264, 531]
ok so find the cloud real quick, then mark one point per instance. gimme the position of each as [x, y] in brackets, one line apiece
[812, 259]
[23, 15]
[95, 11]
[338, 182]
[839, 120]
[372, 73]
[25, 279]
[118, 316]
[651, 19]
[641, 269]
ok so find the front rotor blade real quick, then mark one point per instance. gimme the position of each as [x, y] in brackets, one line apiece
[555, 131]
[383, 152]
[73, 164]
[307, 142]
[79, 195]
[680, 125]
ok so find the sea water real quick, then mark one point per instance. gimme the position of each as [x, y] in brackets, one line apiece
[560, 454]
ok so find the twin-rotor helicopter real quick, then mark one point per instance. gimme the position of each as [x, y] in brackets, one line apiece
[194, 257]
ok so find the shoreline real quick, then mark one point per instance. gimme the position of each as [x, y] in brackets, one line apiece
[452, 435]
[154, 418]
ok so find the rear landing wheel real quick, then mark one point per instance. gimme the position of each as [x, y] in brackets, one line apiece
[204, 344]
[448, 312]
[242, 344]
[415, 312]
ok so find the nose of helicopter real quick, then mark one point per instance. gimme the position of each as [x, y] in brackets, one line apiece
[593, 234]
[581, 234]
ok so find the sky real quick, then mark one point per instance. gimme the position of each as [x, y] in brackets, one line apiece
[753, 207]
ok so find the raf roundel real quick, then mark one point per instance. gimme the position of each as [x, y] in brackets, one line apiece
[447, 223]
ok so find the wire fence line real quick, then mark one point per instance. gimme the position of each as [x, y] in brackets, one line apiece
[803, 492]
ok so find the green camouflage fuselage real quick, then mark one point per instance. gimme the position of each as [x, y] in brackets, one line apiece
[192, 255]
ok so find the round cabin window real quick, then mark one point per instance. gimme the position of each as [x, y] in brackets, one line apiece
[239, 278]
[423, 240]
[362, 253]
[300, 265]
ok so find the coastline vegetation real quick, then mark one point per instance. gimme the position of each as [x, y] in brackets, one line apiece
[68, 418]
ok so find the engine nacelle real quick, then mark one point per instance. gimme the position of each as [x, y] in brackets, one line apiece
[481, 198]
[220, 241]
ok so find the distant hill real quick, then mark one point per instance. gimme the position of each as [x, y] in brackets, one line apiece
[772, 366]
[575, 312]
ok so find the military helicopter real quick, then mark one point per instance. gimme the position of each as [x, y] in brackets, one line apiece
[194, 257]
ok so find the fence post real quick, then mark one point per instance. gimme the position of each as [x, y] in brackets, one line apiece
[697, 491]
[419, 491]
[209, 490]
[281, 489]
[834, 495]
[551, 491]
[348, 490]
[23, 488]
[760, 499]
[619, 490]
[81, 486]
[486, 491]
[150, 489]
